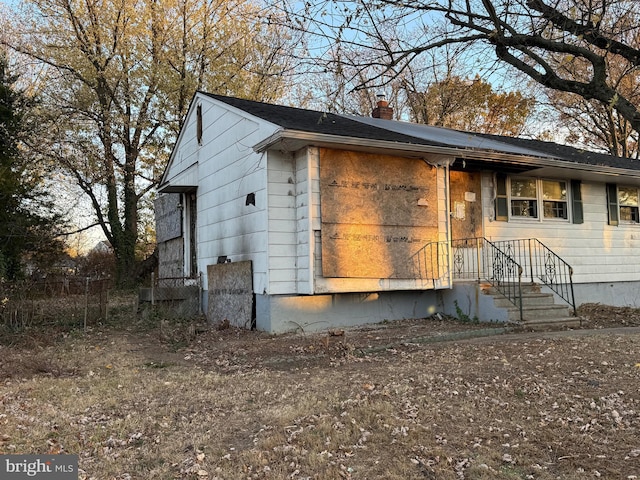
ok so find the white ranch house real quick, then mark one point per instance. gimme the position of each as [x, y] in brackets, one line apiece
[300, 219]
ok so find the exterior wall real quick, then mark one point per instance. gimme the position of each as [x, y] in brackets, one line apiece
[306, 212]
[286, 313]
[290, 216]
[281, 178]
[227, 171]
[617, 294]
[471, 302]
[226, 224]
[602, 255]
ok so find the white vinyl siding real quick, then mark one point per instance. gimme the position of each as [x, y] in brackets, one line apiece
[227, 170]
[597, 251]
[306, 163]
[282, 223]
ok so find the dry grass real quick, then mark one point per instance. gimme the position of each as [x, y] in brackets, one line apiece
[240, 405]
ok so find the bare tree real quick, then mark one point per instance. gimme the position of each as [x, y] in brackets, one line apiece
[564, 45]
[117, 80]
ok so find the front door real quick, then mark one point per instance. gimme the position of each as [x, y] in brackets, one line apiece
[465, 204]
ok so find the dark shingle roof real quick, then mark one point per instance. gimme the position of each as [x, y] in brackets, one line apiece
[348, 126]
[568, 153]
[317, 122]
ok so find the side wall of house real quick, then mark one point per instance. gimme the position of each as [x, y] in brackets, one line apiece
[232, 193]
[231, 183]
[281, 178]
[295, 255]
[603, 256]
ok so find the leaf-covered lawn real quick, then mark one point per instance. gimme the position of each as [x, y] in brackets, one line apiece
[230, 404]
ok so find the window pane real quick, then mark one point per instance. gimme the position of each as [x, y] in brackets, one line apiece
[555, 209]
[628, 196]
[501, 208]
[524, 208]
[554, 190]
[523, 187]
[629, 214]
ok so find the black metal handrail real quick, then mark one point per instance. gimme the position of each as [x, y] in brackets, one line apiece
[430, 263]
[482, 260]
[542, 263]
[474, 258]
[500, 263]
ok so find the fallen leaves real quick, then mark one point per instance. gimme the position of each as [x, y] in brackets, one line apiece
[244, 405]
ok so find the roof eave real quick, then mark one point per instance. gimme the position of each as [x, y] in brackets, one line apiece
[292, 140]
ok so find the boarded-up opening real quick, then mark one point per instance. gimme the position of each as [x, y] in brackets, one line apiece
[377, 212]
[230, 295]
[466, 204]
[168, 212]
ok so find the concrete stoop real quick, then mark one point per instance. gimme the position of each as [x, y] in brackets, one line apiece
[539, 310]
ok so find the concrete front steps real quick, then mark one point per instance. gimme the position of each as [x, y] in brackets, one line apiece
[539, 310]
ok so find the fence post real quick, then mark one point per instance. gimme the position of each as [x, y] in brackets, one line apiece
[106, 301]
[153, 283]
[86, 302]
[200, 292]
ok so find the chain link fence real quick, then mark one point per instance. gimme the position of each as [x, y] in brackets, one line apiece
[74, 301]
[172, 297]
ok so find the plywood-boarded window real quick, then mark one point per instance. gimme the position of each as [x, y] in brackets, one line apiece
[377, 212]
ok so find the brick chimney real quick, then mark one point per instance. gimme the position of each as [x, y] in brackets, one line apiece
[383, 110]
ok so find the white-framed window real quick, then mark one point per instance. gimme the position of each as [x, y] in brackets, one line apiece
[628, 203]
[554, 199]
[623, 202]
[542, 199]
[524, 197]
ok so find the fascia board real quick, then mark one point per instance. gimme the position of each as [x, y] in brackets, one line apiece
[282, 137]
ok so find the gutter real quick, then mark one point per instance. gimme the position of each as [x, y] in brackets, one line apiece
[319, 139]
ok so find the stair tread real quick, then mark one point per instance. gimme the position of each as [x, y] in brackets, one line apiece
[550, 306]
[551, 323]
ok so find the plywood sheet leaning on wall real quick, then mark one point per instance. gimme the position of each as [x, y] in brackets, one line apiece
[230, 294]
[378, 211]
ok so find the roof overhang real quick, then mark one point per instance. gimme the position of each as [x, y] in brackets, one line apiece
[294, 140]
[168, 188]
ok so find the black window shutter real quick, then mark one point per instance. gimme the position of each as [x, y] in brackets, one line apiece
[501, 202]
[612, 203]
[576, 202]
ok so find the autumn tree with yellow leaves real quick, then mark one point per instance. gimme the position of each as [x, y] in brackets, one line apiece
[116, 78]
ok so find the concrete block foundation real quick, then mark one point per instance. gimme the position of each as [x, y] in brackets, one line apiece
[279, 314]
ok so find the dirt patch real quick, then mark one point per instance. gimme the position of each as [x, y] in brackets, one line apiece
[595, 315]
